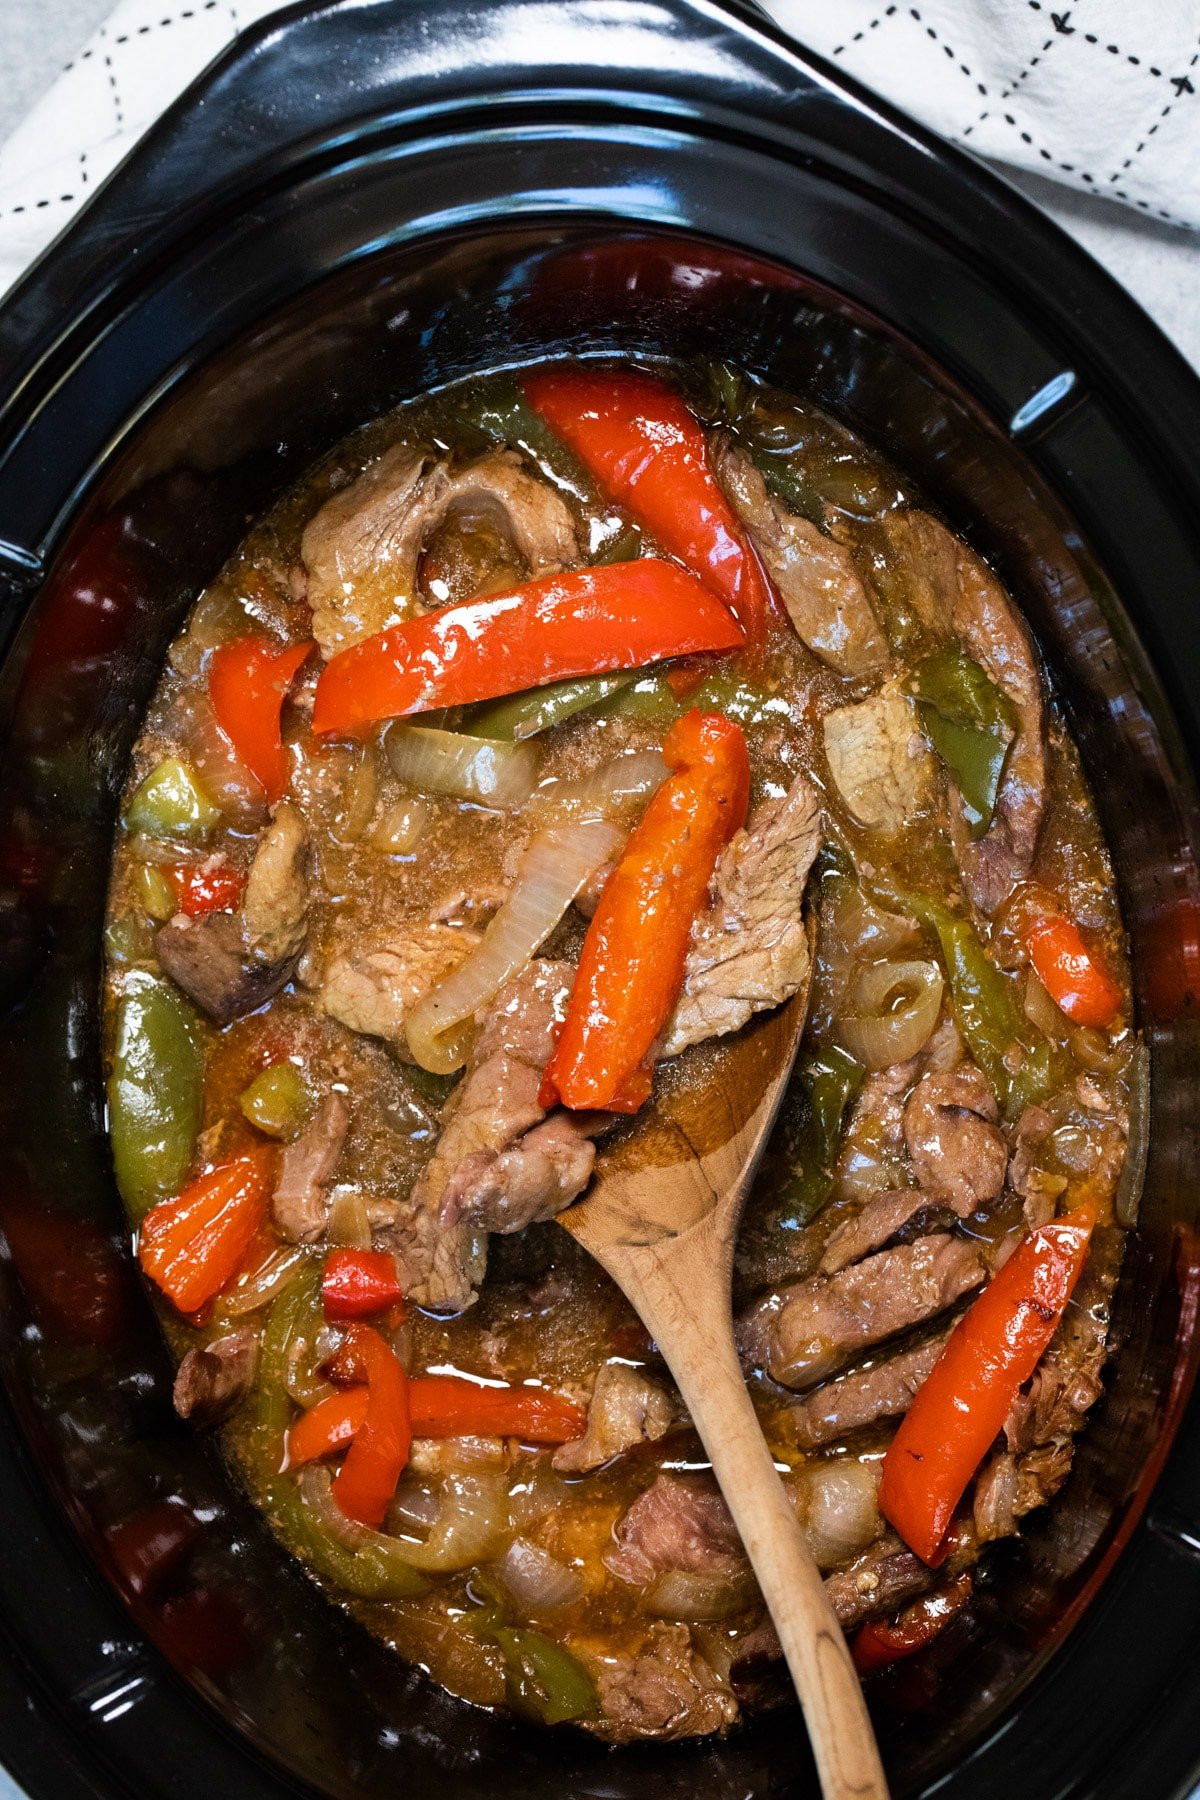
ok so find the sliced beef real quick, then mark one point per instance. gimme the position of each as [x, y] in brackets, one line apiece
[957, 1150]
[1011, 1486]
[360, 552]
[275, 903]
[1068, 1380]
[801, 1335]
[872, 1152]
[860, 1399]
[492, 1115]
[372, 987]
[880, 761]
[750, 949]
[533, 1181]
[233, 963]
[306, 1170]
[666, 1690]
[680, 1522]
[1038, 1188]
[626, 1408]
[213, 1378]
[821, 588]
[954, 593]
[881, 1580]
[884, 1214]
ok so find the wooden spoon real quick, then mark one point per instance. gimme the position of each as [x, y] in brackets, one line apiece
[661, 1217]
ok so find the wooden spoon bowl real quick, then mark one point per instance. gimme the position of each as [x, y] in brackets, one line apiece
[662, 1217]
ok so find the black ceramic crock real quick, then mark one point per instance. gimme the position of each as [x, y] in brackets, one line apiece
[357, 202]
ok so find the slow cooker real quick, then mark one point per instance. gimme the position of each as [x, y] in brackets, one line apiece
[359, 201]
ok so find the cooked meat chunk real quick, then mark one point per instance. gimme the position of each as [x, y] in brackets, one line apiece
[493, 1111]
[1011, 1486]
[1067, 1382]
[373, 987]
[232, 963]
[880, 761]
[306, 1168]
[212, 1378]
[954, 592]
[664, 1691]
[802, 1334]
[877, 1583]
[821, 588]
[884, 1214]
[678, 1523]
[872, 1154]
[360, 552]
[275, 904]
[957, 1150]
[534, 1180]
[1038, 1188]
[860, 1399]
[750, 949]
[626, 1408]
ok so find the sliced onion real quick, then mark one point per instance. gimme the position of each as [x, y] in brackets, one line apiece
[614, 790]
[263, 1284]
[400, 829]
[1041, 1011]
[837, 1506]
[536, 1579]
[540, 1494]
[895, 1008]
[556, 864]
[192, 721]
[413, 1504]
[349, 1225]
[472, 1524]
[687, 1594]
[1128, 1196]
[449, 762]
[358, 807]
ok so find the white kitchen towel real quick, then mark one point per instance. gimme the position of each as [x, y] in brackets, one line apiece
[1099, 93]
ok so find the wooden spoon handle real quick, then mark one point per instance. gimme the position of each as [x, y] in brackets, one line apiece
[673, 1288]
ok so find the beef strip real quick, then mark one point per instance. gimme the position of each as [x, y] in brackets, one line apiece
[953, 592]
[859, 1399]
[880, 761]
[680, 1522]
[306, 1169]
[233, 963]
[213, 1378]
[492, 1115]
[1011, 1486]
[664, 1690]
[802, 1334]
[372, 987]
[750, 949]
[884, 1214]
[818, 582]
[957, 1151]
[360, 552]
[626, 1408]
[882, 1579]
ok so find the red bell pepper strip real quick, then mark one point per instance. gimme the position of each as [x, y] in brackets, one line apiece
[631, 964]
[200, 890]
[1074, 978]
[358, 1283]
[442, 1406]
[366, 1481]
[329, 1426]
[248, 682]
[648, 451]
[193, 1245]
[586, 622]
[883, 1641]
[448, 1406]
[960, 1409]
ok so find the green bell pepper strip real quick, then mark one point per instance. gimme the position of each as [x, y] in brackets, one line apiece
[154, 1092]
[625, 547]
[830, 1079]
[171, 802]
[370, 1571]
[728, 693]
[542, 1681]
[501, 414]
[971, 724]
[538, 709]
[277, 1101]
[985, 1007]
[650, 699]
